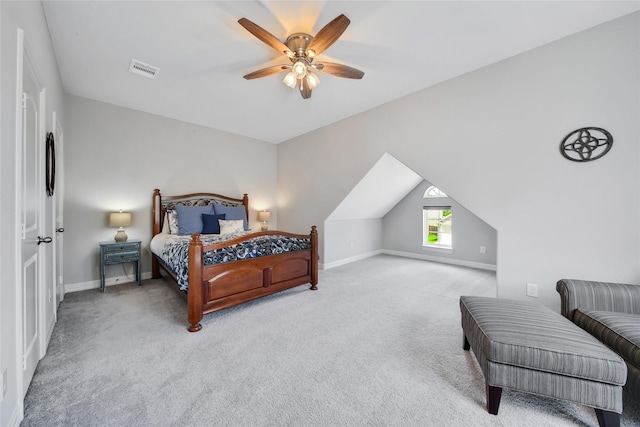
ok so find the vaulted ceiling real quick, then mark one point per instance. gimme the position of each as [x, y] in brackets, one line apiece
[202, 53]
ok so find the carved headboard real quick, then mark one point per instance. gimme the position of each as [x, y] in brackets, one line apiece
[162, 203]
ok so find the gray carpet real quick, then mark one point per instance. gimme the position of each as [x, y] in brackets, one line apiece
[378, 344]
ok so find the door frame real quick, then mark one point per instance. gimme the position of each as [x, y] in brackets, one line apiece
[58, 216]
[18, 218]
[43, 332]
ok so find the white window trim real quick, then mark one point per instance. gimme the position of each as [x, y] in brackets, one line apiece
[435, 247]
[433, 191]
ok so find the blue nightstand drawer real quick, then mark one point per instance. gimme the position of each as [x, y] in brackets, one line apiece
[120, 257]
[121, 247]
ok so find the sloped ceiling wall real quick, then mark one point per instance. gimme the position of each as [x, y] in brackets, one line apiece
[384, 185]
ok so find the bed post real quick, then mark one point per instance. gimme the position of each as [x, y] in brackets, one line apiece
[156, 213]
[245, 202]
[314, 258]
[194, 293]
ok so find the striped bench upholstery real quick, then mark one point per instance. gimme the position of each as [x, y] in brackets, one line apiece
[528, 347]
[610, 312]
[621, 333]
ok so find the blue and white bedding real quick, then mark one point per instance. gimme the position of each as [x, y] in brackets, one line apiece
[174, 250]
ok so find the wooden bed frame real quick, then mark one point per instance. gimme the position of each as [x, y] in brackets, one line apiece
[219, 286]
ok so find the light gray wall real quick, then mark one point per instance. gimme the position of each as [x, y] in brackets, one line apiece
[351, 239]
[402, 231]
[114, 159]
[29, 17]
[491, 139]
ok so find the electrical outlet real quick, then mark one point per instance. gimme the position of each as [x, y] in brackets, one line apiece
[483, 249]
[532, 290]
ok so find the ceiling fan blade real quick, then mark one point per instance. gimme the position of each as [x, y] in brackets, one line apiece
[265, 36]
[266, 71]
[305, 89]
[339, 70]
[327, 36]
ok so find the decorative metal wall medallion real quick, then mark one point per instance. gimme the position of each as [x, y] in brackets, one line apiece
[586, 144]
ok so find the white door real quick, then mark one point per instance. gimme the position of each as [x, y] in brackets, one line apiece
[31, 225]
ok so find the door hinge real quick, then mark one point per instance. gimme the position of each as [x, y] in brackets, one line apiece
[24, 100]
[24, 363]
[23, 233]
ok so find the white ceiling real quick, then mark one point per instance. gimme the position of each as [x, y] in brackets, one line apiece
[202, 53]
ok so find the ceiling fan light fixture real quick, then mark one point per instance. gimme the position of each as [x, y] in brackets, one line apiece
[299, 69]
[312, 79]
[290, 80]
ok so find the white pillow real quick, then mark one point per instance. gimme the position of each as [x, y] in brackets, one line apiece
[165, 224]
[172, 216]
[230, 226]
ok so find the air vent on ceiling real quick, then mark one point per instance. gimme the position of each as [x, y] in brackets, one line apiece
[143, 69]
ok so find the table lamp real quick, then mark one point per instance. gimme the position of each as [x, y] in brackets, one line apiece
[264, 216]
[120, 220]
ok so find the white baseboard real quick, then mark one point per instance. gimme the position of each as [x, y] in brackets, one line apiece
[95, 284]
[349, 260]
[16, 418]
[472, 264]
[480, 265]
[50, 328]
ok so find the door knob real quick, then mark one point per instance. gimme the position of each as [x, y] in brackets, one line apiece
[60, 230]
[44, 239]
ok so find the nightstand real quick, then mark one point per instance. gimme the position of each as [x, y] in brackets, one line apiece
[112, 252]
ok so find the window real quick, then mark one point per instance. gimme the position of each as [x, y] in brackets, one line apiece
[434, 191]
[437, 222]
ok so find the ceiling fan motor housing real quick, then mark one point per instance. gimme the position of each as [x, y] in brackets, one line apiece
[298, 43]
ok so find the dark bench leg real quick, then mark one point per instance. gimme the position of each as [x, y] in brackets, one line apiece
[608, 418]
[493, 393]
[493, 399]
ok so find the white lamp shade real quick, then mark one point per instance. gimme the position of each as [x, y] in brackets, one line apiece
[290, 80]
[299, 69]
[264, 216]
[120, 219]
[313, 80]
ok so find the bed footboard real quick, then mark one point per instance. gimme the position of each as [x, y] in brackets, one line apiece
[219, 286]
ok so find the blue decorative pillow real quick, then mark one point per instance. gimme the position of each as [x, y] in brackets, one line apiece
[232, 212]
[210, 224]
[190, 218]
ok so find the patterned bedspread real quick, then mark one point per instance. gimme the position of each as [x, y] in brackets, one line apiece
[174, 250]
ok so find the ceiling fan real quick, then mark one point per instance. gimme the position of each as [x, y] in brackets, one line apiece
[302, 49]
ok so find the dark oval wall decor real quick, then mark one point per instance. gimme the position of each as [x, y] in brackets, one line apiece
[50, 167]
[586, 144]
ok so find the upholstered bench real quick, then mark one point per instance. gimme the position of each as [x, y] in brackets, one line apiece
[528, 347]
